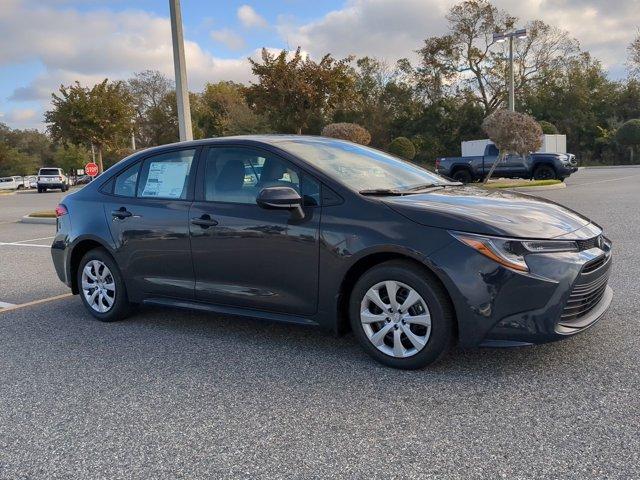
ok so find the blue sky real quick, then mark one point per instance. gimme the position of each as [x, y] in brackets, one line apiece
[49, 42]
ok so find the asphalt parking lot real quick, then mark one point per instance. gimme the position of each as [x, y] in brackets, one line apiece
[173, 394]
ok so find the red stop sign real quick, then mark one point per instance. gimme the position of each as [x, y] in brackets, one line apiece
[91, 169]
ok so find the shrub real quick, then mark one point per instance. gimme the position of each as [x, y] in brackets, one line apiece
[548, 128]
[629, 135]
[402, 147]
[347, 131]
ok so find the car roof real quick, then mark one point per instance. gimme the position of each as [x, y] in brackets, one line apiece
[270, 139]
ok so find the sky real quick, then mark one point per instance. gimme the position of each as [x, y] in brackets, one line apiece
[46, 43]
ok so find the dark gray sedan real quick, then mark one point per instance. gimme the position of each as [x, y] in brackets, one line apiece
[324, 232]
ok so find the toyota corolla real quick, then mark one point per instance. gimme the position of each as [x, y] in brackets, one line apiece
[324, 232]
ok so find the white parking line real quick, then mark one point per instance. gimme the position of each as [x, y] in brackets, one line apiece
[7, 305]
[14, 244]
[35, 302]
[33, 239]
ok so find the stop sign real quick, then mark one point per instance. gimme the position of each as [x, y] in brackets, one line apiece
[91, 169]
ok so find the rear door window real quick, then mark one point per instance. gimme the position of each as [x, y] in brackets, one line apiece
[49, 171]
[166, 175]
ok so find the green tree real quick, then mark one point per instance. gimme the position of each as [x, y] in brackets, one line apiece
[15, 162]
[293, 89]
[222, 109]
[628, 135]
[634, 55]
[402, 147]
[548, 128]
[100, 116]
[71, 157]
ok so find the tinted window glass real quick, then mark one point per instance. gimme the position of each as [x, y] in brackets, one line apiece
[359, 167]
[166, 175]
[49, 171]
[126, 182]
[492, 150]
[237, 175]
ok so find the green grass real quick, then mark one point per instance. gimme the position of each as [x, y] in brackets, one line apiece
[43, 214]
[523, 183]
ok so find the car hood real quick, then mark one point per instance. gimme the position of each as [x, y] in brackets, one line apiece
[489, 212]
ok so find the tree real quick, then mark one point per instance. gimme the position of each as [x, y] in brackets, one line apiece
[548, 128]
[634, 55]
[512, 132]
[71, 157]
[100, 116]
[347, 131]
[222, 109]
[293, 89]
[15, 162]
[402, 147]
[629, 135]
[153, 97]
[467, 58]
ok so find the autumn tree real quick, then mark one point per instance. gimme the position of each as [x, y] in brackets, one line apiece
[512, 133]
[467, 58]
[347, 131]
[99, 116]
[634, 56]
[292, 89]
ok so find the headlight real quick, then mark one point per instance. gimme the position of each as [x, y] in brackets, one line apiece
[510, 252]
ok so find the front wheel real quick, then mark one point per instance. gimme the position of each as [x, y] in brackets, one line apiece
[544, 172]
[401, 315]
[102, 287]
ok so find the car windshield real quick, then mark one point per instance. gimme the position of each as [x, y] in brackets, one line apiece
[361, 168]
[49, 171]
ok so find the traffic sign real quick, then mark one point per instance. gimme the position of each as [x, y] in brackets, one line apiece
[91, 169]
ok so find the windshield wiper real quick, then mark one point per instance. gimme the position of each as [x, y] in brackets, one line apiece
[381, 191]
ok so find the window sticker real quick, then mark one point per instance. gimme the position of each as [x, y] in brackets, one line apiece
[166, 179]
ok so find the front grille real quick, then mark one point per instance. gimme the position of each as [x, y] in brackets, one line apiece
[589, 243]
[588, 290]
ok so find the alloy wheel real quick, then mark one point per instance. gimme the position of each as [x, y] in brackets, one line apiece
[98, 286]
[395, 319]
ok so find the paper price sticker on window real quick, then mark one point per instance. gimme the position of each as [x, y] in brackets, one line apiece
[166, 179]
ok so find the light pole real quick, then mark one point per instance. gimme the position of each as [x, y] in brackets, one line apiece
[499, 38]
[182, 90]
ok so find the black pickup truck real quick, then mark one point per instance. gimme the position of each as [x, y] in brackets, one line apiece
[539, 166]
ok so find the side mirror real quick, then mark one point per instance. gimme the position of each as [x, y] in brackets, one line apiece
[281, 198]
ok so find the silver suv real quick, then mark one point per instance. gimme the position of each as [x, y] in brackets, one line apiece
[51, 177]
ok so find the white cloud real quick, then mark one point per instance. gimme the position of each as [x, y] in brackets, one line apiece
[228, 38]
[393, 29]
[91, 46]
[250, 18]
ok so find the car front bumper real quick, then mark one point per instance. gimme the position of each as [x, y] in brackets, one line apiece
[561, 295]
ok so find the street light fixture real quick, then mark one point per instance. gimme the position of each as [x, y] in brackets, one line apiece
[500, 37]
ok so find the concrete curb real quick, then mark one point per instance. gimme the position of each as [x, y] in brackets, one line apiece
[38, 220]
[557, 186]
[589, 167]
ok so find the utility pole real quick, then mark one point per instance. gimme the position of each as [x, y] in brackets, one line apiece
[182, 90]
[499, 38]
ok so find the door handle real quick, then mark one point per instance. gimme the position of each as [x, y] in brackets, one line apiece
[121, 213]
[205, 221]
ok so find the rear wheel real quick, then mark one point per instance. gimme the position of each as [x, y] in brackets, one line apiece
[463, 176]
[544, 172]
[101, 286]
[401, 315]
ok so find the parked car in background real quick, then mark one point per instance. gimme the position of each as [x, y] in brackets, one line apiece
[12, 183]
[52, 178]
[31, 181]
[83, 180]
[319, 231]
[538, 166]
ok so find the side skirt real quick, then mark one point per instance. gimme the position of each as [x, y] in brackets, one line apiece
[226, 310]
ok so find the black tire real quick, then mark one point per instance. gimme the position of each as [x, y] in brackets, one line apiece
[427, 286]
[121, 307]
[463, 175]
[39, 189]
[544, 172]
